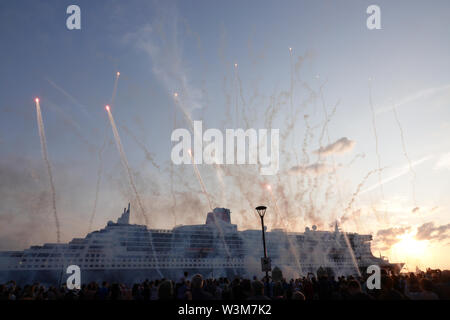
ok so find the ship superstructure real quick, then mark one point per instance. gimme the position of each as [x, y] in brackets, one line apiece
[124, 252]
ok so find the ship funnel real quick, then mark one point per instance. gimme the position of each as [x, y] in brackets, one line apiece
[125, 217]
[218, 214]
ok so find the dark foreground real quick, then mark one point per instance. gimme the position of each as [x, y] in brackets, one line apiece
[423, 286]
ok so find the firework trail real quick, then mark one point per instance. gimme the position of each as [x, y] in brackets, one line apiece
[172, 191]
[174, 199]
[274, 201]
[186, 114]
[332, 175]
[350, 249]
[413, 172]
[328, 118]
[289, 129]
[100, 157]
[376, 141]
[291, 245]
[228, 102]
[301, 191]
[352, 254]
[305, 140]
[291, 91]
[240, 94]
[270, 114]
[236, 98]
[359, 155]
[70, 97]
[284, 199]
[240, 180]
[71, 123]
[116, 84]
[217, 167]
[271, 111]
[97, 186]
[310, 181]
[200, 180]
[219, 174]
[358, 189]
[202, 185]
[180, 175]
[49, 168]
[124, 160]
[326, 131]
[148, 155]
[355, 194]
[199, 177]
[291, 117]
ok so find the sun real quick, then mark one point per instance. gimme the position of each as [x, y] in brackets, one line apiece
[409, 247]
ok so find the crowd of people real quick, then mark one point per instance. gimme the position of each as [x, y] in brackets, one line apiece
[421, 286]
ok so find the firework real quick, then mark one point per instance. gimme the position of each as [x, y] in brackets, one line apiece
[49, 167]
[125, 164]
[124, 161]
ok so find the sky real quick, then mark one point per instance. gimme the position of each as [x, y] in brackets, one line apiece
[375, 103]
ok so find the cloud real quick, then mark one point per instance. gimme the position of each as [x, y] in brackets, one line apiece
[161, 41]
[426, 93]
[428, 231]
[356, 214]
[340, 146]
[389, 237]
[443, 162]
[400, 172]
[315, 168]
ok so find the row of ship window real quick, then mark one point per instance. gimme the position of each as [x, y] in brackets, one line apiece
[143, 259]
[43, 255]
[163, 265]
[115, 260]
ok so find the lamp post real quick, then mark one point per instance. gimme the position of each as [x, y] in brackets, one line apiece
[261, 212]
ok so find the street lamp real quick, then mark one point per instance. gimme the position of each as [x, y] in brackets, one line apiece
[261, 212]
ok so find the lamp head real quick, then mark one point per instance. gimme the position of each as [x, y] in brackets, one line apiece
[261, 211]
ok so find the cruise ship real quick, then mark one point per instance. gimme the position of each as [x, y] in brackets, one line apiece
[129, 253]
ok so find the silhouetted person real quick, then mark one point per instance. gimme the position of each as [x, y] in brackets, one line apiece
[355, 292]
[115, 292]
[387, 290]
[278, 292]
[197, 289]
[258, 291]
[297, 295]
[165, 290]
[425, 291]
[103, 292]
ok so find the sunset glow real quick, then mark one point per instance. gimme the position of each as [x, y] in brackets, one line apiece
[409, 247]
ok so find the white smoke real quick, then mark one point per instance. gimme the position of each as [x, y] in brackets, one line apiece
[340, 146]
[161, 41]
